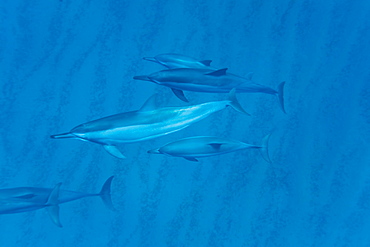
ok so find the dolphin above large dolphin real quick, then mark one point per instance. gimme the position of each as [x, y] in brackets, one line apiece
[176, 61]
[24, 199]
[144, 124]
[209, 81]
[195, 147]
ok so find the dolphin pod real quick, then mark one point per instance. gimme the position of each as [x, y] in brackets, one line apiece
[24, 199]
[188, 74]
[146, 123]
[192, 148]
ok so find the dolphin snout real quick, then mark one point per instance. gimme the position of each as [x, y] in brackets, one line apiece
[142, 77]
[151, 59]
[154, 151]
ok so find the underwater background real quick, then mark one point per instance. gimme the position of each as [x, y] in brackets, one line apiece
[63, 63]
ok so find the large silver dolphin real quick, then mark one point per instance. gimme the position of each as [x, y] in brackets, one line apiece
[24, 199]
[209, 81]
[176, 61]
[144, 124]
[204, 146]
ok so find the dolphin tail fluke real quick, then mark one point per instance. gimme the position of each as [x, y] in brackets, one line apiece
[234, 103]
[142, 78]
[52, 205]
[105, 194]
[63, 136]
[113, 150]
[264, 148]
[281, 95]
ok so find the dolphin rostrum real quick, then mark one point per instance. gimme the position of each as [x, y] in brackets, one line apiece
[204, 146]
[175, 61]
[24, 199]
[144, 124]
[209, 81]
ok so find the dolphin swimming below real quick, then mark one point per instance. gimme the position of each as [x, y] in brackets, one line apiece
[144, 124]
[209, 81]
[195, 147]
[176, 61]
[24, 199]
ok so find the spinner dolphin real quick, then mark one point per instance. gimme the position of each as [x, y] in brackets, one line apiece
[144, 124]
[204, 146]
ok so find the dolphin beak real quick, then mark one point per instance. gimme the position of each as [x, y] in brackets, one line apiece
[142, 78]
[154, 151]
[151, 59]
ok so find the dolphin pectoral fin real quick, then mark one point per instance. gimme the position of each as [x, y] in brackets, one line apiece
[219, 72]
[113, 150]
[53, 212]
[206, 62]
[281, 95]
[105, 194]
[234, 103]
[191, 159]
[149, 104]
[179, 94]
[216, 146]
[52, 205]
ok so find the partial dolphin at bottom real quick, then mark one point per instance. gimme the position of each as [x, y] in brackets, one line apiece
[24, 199]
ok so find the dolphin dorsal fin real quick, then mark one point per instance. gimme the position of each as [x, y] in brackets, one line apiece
[219, 72]
[206, 62]
[149, 104]
[52, 205]
[215, 145]
[53, 198]
[249, 76]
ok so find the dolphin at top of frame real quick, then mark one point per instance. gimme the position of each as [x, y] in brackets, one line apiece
[175, 61]
[195, 147]
[209, 81]
[24, 199]
[144, 124]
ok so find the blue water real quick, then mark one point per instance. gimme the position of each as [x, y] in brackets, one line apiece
[63, 63]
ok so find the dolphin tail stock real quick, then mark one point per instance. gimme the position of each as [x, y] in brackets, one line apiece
[264, 148]
[234, 103]
[63, 136]
[52, 205]
[105, 194]
[141, 77]
[280, 94]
